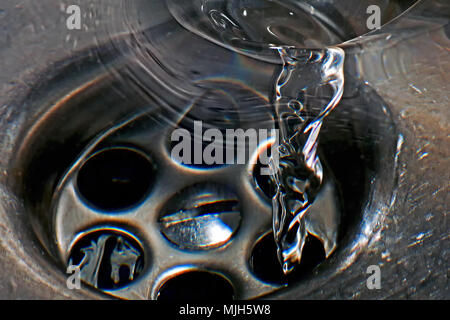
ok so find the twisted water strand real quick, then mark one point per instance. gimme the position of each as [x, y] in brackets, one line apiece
[309, 78]
[299, 174]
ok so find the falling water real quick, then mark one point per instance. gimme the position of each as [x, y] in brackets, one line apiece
[299, 176]
[306, 88]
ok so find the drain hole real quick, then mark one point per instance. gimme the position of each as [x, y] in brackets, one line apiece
[263, 182]
[264, 262]
[197, 286]
[212, 112]
[115, 179]
[107, 260]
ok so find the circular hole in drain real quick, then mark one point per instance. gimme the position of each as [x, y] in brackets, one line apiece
[115, 178]
[215, 131]
[198, 141]
[265, 265]
[108, 259]
[261, 179]
[197, 286]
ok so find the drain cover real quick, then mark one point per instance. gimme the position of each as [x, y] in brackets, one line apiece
[201, 220]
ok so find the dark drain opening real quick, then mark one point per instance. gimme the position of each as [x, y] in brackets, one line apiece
[115, 179]
[205, 137]
[108, 260]
[197, 286]
[264, 182]
[265, 265]
[203, 117]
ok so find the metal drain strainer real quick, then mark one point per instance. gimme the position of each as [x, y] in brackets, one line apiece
[131, 218]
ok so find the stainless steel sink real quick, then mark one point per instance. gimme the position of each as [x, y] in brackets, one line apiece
[69, 98]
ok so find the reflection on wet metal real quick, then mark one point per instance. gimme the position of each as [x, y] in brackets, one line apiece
[107, 261]
[324, 217]
[272, 78]
[162, 59]
[201, 217]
